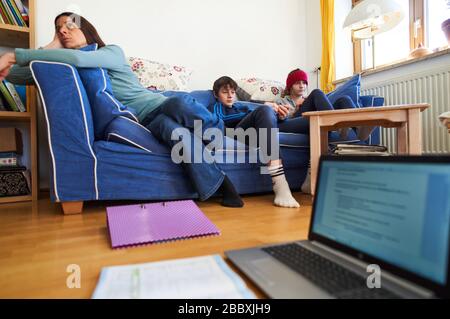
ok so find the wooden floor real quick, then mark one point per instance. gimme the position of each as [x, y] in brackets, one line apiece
[37, 242]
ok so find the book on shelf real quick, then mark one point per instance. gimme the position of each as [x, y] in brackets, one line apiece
[9, 160]
[13, 168]
[12, 96]
[5, 16]
[22, 91]
[3, 106]
[23, 11]
[15, 95]
[14, 12]
[9, 13]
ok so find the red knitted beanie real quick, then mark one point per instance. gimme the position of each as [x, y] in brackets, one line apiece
[295, 77]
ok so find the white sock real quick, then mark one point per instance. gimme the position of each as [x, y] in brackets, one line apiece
[283, 195]
[306, 187]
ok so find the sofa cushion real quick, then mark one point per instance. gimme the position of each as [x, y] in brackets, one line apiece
[351, 88]
[259, 90]
[122, 130]
[158, 76]
[105, 107]
[293, 140]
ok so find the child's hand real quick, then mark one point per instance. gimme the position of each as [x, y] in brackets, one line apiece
[283, 111]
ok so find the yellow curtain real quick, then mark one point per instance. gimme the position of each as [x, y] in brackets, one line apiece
[328, 73]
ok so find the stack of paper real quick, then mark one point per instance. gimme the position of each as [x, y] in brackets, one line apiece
[195, 278]
[356, 149]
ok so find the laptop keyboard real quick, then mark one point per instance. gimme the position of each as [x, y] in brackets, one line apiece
[331, 277]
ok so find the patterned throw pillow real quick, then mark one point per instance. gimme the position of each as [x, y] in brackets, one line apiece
[160, 77]
[261, 90]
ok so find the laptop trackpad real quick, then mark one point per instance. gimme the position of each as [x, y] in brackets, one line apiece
[281, 282]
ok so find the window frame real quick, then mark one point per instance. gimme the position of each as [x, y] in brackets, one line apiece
[416, 13]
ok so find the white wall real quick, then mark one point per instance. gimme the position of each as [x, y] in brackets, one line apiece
[313, 43]
[239, 38]
[264, 38]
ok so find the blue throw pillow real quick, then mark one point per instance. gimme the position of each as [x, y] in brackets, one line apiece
[105, 108]
[351, 88]
[204, 97]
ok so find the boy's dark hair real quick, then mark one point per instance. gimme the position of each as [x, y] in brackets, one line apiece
[85, 26]
[222, 82]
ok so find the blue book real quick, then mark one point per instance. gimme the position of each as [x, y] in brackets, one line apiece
[8, 155]
[16, 16]
[22, 91]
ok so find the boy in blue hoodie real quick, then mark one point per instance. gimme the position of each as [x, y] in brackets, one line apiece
[236, 115]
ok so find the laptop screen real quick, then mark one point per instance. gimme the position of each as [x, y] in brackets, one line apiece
[398, 212]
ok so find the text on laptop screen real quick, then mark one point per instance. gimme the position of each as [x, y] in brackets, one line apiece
[396, 212]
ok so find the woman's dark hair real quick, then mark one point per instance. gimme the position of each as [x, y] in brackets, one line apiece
[85, 26]
[222, 82]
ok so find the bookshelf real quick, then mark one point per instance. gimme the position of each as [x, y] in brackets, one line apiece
[12, 36]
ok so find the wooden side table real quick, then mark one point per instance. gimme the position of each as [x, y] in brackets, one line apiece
[406, 118]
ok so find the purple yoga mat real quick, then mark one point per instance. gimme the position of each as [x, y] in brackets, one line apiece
[159, 222]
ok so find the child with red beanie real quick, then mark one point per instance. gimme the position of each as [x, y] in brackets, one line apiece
[298, 102]
[295, 93]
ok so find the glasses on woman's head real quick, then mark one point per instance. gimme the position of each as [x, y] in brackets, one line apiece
[70, 25]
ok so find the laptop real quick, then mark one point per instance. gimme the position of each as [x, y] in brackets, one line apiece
[379, 229]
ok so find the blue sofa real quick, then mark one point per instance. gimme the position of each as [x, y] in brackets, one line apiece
[129, 163]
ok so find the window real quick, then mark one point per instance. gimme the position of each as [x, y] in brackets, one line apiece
[375, 52]
[422, 25]
[436, 12]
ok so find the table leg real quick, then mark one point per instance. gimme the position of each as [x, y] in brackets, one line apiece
[402, 139]
[414, 132]
[316, 146]
[323, 141]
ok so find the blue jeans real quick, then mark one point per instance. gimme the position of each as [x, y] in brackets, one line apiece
[316, 101]
[264, 117]
[181, 112]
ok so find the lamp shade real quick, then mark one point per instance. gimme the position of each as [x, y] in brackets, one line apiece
[372, 17]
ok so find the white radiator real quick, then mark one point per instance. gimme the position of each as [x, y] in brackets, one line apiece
[431, 86]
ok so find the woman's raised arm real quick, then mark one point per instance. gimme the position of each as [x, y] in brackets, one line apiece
[108, 57]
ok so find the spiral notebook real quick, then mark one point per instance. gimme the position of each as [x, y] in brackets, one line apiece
[156, 223]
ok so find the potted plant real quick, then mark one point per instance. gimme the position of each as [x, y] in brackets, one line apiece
[446, 25]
